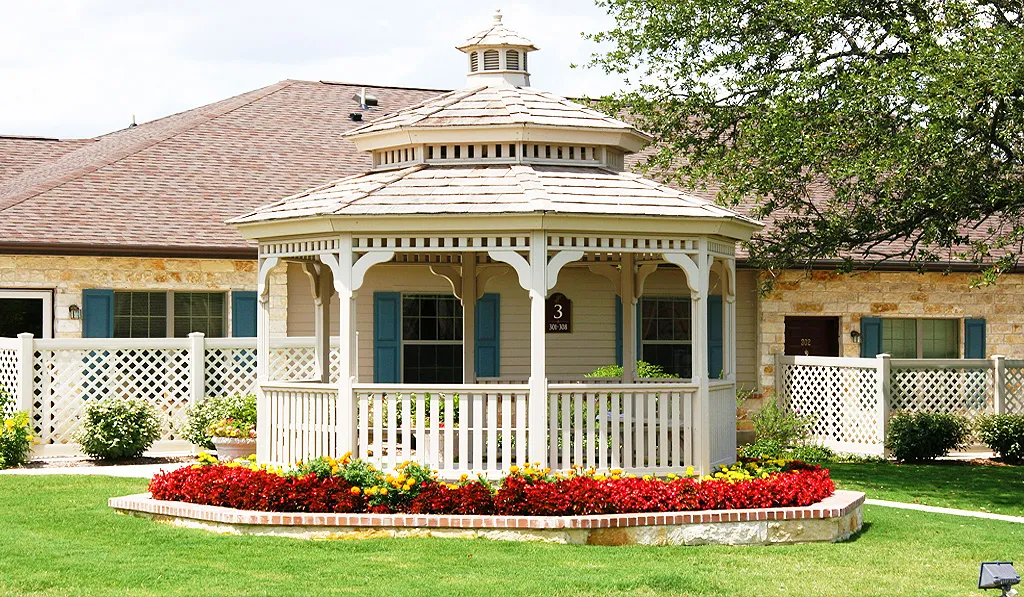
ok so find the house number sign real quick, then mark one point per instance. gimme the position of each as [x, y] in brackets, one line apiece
[559, 314]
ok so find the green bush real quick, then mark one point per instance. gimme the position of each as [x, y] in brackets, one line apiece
[812, 453]
[926, 436]
[770, 448]
[644, 370]
[775, 423]
[240, 408]
[1004, 435]
[116, 428]
[15, 435]
[763, 448]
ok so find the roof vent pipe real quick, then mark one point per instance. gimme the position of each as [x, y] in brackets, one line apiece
[366, 100]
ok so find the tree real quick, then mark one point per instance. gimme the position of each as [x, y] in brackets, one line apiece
[865, 130]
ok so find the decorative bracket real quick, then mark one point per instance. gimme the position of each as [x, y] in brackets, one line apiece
[642, 273]
[687, 264]
[608, 271]
[364, 263]
[556, 263]
[314, 271]
[451, 274]
[484, 275]
[262, 288]
[518, 263]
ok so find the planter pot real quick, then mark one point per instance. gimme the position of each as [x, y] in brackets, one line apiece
[230, 448]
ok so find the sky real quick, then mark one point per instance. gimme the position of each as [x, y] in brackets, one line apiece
[81, 68]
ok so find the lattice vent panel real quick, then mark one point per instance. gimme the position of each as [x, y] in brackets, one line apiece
[298, 363]
[67, 380]
[946, 390]
[843, 401]
[8, 378]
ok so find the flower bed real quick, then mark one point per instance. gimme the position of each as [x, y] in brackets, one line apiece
[351, 486]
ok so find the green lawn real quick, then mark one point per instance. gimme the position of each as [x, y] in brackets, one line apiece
[998, 489]
[57, 537]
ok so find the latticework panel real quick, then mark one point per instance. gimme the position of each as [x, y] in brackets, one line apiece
[8, 378]
[230, 371]
[298, 363]
[1014, 391]
[68, 379]
[942, 390]
[842, 400]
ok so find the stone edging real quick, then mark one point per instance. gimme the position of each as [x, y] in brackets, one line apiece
[833, 519]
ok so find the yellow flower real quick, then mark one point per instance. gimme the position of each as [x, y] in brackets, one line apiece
[513, 469]
[463, 477]
[354, 491]
[647, 477]
[383, 490]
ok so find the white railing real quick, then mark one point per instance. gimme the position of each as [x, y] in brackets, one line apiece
[456, 429]
[54, 379]
[852, 399]
[637, 427]
[721, 432]
[302, 421]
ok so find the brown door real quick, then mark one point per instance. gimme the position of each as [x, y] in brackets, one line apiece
[812, 336]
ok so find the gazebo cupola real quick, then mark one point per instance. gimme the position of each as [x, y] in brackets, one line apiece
[497, 56]
[486, 213]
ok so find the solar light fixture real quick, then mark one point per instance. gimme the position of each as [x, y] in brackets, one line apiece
[998, 575]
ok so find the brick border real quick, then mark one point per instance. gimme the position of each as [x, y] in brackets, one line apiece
[843, 508]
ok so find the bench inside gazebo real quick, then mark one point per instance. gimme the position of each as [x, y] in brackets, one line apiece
[499, 186]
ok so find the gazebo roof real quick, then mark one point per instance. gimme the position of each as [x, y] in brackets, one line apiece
[491, 189]
[496, 106]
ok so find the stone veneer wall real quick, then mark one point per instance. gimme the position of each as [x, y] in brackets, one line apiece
[67, 276]
[889, 294]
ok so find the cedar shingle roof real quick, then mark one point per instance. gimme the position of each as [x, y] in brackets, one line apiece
[498, 188]
[167, 187]
[495, 106]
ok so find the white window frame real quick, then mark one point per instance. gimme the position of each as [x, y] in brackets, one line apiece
[45, 295]
[640, 324]
[169, 295]
[402, 342]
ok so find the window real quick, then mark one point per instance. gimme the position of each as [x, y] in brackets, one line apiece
[921, 338]
[665, 334]
[169, 314]
[431, 339]
[26, 311]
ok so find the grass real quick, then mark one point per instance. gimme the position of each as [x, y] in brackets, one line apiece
[57, 537]
[998, 489]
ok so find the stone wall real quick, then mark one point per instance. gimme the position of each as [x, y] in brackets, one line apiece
[888, 294]
[67, 276]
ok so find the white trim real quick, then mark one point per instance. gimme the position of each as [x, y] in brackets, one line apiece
[45, 295]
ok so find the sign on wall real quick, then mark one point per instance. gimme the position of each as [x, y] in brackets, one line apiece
[559, 314]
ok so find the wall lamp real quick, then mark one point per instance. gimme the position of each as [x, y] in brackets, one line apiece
[75, 312]
[855, 335]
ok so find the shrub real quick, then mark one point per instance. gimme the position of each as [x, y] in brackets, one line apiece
[644, 370]
[1004, 435]
[240, 408]
[770, 448]
[779, 425]
[926, 436]
[119, 428]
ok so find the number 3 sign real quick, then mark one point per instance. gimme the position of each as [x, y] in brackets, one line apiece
[559, 314]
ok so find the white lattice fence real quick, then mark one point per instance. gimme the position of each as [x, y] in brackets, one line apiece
[961, 387]
[68, 379]
[843, 397]
[9, 367]
[1013, 397]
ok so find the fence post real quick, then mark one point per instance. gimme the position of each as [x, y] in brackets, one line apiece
[999, 383]
[26, 354]
[197, 372]
[884, 396]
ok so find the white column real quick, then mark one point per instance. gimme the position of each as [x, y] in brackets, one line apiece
[537, 410]
[322, 324]
[699, 344]
[729, 322]
[469, 294]
[263, 438]
[343, 284]
[627, 296]
[197, 367]
[26, 378]
[999, 380]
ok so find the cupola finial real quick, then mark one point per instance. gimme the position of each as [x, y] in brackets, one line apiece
[497, 16]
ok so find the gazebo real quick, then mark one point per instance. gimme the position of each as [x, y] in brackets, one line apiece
[550, 250]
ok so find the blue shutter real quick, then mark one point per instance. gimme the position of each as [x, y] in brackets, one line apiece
[243, 314]
[870, 337]
[488, 335]
[974, 339]
[97, 313]
[618, 331]
[387, 337]
[715, 345]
